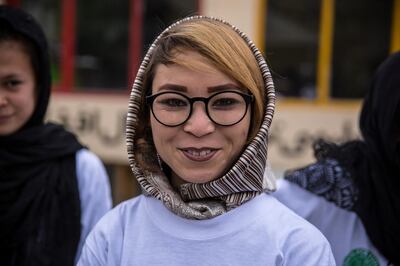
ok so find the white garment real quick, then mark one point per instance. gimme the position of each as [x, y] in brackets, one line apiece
[94, 192]
[343, 229]
[142, 231]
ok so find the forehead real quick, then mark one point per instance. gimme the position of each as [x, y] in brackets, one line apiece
[13, 54]
[15, 45]
[191, 70]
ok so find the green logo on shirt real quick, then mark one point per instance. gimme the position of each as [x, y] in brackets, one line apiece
[360, 257]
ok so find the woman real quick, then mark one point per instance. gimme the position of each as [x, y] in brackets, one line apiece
[354, 197]
[52, 189]
[197, 129]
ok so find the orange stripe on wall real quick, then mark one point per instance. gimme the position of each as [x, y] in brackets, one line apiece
[260, 24]
[325, 50]
[395, 42]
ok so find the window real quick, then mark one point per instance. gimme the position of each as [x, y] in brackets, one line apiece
[101, 57]
[158, 14]
[292, 45]
[48, 13]
[360, 43]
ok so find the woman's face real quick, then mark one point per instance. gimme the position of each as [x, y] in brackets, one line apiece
[199, 150]
[17, 87]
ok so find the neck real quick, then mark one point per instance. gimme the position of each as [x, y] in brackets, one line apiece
[176, 181]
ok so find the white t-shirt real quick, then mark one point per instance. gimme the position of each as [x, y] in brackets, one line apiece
[94, 192]
[343, 229]
[142, 231]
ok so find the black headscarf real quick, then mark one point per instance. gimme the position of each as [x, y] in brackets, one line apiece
[378, 174]
[370, 182]
[39, 196]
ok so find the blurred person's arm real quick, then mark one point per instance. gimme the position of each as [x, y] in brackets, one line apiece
[94, 191]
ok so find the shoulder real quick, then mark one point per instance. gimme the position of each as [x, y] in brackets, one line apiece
[343, 229]
[90, 171]
[292, 194]
[300, 242]
[289, 224]
[94, 191]
[117, 216]
[280, 229]
[303, 202]
[110, 229]
[105, 241]
[285, 225]
[93, 181]
[86, 159]
[328, 179]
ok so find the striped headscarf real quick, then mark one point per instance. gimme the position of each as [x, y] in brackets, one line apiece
[246, 179]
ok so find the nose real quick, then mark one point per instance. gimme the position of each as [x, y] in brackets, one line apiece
[199, 124]
[3, 100]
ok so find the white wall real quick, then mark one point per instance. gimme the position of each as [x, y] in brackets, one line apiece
[240, 13]
[98, 120]
[296, 127]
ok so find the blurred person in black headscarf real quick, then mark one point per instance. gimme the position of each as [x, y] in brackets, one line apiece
[52, 189]
[352, 192]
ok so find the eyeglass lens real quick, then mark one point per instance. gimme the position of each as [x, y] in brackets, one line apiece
[224, 108]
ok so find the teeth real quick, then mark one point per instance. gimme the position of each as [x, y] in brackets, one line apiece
[199, 153]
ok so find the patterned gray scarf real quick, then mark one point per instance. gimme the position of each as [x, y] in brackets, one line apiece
[246, 179]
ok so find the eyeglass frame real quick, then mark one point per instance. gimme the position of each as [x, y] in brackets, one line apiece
[248, 98]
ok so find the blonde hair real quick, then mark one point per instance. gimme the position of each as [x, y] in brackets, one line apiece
[223, 47]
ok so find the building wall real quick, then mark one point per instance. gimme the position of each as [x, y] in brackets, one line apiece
[238, 12]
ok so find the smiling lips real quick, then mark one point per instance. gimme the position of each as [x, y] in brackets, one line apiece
[199, 155]
[4, 118]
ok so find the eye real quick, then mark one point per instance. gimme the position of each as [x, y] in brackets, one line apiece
[173, 102]
[225, 102]
[12, 83]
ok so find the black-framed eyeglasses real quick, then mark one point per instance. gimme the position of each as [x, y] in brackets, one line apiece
[225, 108]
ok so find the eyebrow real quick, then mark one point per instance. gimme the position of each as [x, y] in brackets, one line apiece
[212, 89]
[10, 76]
[225, 87]
[172, 87]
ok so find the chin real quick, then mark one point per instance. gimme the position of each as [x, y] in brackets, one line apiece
[6, 132]
[200, 177]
